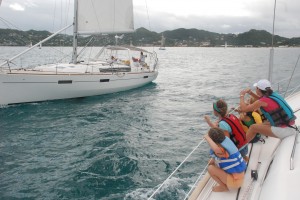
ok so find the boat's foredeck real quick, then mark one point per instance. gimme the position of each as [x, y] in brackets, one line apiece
[76, 70]
[278, 170]
[261, 155]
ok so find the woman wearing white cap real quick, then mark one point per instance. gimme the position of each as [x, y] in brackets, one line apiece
[279, 114]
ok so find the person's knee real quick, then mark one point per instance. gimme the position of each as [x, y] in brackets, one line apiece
[210, 169]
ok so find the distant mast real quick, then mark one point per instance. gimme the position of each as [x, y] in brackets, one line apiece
[225, 46]
[163, 40]
[75, 32]
[162, 43]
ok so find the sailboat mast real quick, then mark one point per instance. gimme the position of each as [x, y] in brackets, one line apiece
[270, 77]
[75, 32]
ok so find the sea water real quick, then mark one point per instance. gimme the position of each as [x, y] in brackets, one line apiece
[124, 145]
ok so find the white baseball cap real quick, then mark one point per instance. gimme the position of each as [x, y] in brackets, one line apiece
[263, 84]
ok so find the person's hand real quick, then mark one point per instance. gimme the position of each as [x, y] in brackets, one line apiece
[206, 118]
[237, 109]
[242, 116]
[248, 90]
[216, 123]
[243, 92]
[206, 136]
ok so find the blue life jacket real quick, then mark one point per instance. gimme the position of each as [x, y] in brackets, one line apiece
[234, 163]
[282, 115]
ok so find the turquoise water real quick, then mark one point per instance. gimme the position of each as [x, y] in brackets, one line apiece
[123, 145]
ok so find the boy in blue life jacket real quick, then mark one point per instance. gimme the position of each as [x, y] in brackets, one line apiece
[227, 167]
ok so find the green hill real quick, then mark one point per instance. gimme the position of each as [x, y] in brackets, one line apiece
[144, 37]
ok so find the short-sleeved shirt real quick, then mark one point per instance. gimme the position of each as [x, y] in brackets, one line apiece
[225, 126]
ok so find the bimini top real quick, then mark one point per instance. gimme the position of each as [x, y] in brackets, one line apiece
[131, 48]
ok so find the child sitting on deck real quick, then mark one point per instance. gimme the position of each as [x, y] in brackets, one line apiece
[227, 167]
[250, 118]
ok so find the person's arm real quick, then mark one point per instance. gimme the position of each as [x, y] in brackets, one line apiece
[225, 127]
[209, 122]
[249, 91]
[213, 145]
[249, 107]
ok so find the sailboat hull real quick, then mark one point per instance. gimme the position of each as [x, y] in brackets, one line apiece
[30, 87]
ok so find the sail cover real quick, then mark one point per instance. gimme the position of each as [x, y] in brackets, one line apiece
[105, 16]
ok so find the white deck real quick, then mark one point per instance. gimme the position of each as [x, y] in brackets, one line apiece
[275, 181]
[260, 158]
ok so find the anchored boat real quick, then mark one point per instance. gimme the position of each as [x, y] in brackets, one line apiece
[88, 77]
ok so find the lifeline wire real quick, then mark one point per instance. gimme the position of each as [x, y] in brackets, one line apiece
[175, 169]
[188, 194]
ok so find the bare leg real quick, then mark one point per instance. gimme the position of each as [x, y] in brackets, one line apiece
[259, 128]
[220, 176]
[211, 162]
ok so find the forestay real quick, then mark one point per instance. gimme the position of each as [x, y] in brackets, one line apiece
[105, 16]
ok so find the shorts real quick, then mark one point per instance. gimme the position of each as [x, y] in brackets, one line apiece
[235, 183]
[282, 132]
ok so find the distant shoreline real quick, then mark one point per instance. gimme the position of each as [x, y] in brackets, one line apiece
[143, 37]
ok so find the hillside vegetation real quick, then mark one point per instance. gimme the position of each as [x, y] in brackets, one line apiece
[144, 37]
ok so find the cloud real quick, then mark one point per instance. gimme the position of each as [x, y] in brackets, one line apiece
[226, 26]
[17, 7]
[234, 16]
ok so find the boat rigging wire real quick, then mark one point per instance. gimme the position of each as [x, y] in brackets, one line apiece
[53, 22]
[292, 75]
[37, 44]
[148, 15]
[194, 185]
[9, 25]
[272, 49]
[274, 15]
[184, 162]
[149, 20]
[86, 45]
[176, 169]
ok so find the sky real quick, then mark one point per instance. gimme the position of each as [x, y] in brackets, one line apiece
[220, 16]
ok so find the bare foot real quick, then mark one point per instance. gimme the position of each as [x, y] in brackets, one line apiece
[219, 188]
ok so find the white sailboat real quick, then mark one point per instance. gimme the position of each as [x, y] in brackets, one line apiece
[100, 75]
[273, 169]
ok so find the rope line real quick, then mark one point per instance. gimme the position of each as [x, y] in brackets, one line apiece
[176, 169]
[198, 179]
[292, 75]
